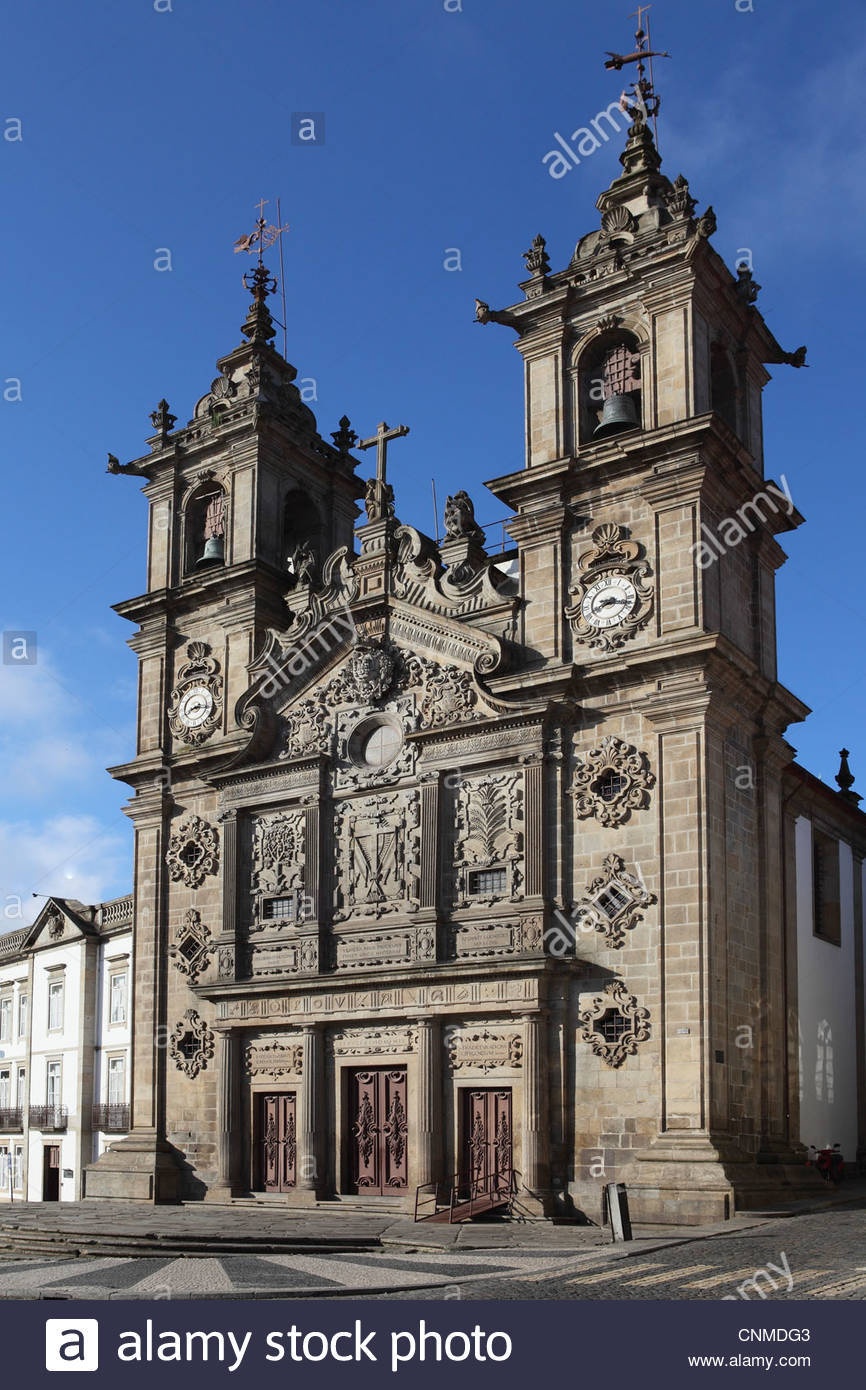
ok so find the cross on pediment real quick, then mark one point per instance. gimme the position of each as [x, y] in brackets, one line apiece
[379, 499]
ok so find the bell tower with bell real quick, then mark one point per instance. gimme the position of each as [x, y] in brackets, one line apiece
[647, 543]
[246, 502]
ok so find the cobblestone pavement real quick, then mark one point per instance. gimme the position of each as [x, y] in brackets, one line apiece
[822, 1256]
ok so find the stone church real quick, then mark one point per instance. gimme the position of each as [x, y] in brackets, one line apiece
[459, 871]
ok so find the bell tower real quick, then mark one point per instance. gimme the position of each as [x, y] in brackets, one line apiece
[246, 502]
[646, 529]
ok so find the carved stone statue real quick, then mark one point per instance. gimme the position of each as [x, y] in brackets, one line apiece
[303, 563]
[460, 523]
[379, 500]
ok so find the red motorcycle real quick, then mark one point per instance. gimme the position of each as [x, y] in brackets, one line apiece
[828, 1161]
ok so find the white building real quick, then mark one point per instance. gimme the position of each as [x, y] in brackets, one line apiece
[65, 1034]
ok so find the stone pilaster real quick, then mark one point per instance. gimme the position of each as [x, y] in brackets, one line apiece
[428, 1102]
[535, 1162]
[227, 1184]
[310, 1148]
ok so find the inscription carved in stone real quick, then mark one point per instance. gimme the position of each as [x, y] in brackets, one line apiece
[483, 1051]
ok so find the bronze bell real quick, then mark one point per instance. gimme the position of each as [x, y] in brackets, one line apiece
[618, 413]
[213, 551]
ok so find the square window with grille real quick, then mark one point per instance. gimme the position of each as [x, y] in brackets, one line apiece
[485, 882]
[188, 1046]
[611, 785]
[612, 1025]
[279, 909]
[612, 900]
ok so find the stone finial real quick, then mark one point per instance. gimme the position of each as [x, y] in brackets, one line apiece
[747, 286]
[845, 779]
[345, 437]
[680, 202]
[162, 419]
[259, 326]
[537, 260]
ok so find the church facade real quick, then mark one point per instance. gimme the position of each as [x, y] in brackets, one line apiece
[456, 868]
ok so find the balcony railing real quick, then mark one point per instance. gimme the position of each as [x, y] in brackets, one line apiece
[48, 1117]
[11, 1121]
[111, 1118]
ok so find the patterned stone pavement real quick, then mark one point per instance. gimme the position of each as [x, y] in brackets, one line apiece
[275, 1276]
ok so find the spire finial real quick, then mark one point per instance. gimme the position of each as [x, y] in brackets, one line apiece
[640, 101]
[259, 327]
[845, 778]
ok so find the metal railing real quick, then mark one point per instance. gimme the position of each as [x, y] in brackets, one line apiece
[472, 1190]
[111, 1118]
[11, 1120]
[53, 1117]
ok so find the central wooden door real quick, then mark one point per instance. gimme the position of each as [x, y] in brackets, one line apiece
[487, 1139]
[278, 1141]
[378, 1130]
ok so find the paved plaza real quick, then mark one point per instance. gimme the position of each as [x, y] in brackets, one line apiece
[84, 1251]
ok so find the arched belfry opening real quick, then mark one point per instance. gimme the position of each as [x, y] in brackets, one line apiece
[205, 528]
[303, 535]
[609, 387]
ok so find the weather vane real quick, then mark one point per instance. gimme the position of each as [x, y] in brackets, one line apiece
[640, 101]
[257, 242]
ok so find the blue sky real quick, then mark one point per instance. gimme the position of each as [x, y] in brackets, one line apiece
[146, 127]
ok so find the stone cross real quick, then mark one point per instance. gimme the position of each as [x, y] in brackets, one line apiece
[379, 494]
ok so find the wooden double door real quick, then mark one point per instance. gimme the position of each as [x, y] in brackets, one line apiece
[378, 1130]
[277, 1141]
[487, 1157]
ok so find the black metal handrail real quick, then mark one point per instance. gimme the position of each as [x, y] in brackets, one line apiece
[467, 1188]
[11, 1120]
[48, 1117]
[111, 1118]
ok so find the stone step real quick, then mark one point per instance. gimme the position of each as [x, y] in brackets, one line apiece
[75, 1244]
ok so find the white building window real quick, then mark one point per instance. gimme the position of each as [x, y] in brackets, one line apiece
[6, 1019]
[5, 1089]
[117, 998]
[55, 1004]
[53, 1092]
[21, 1088]
[116, 1080]
[22, 1015]
[18, 1168]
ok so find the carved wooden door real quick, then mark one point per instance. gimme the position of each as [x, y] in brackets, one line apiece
[378, 1130]
[487, 1143]
[278, 1141]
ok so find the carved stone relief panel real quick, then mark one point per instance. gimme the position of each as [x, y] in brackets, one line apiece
[378, 855]
[273, 1059]
[482, 1049]
[373, 1042]
[277, 857]
[356, 950]
[477, 940]
[613, 1023]
[487, 854]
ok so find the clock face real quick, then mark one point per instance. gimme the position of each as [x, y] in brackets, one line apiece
[609, 601]
[195, 707]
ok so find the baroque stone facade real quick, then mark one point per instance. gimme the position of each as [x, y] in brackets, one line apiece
[456, 875]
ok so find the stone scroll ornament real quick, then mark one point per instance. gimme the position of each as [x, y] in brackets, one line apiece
[190, 950]
[613, 903]
[191, 1045]
[611, 598]
[611, 781]
[614, 1024]
[193, 852]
